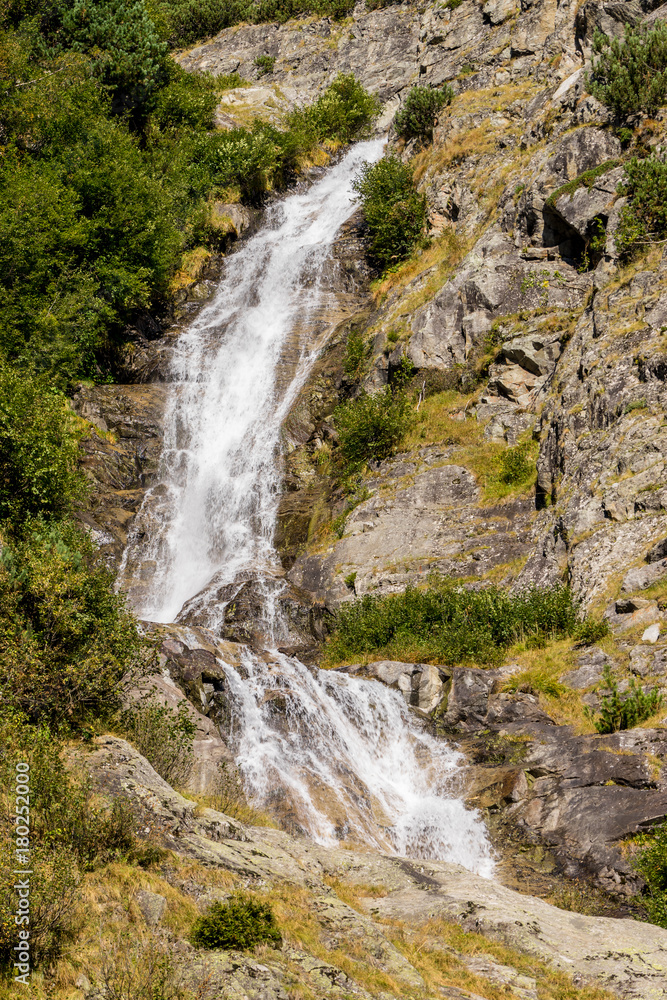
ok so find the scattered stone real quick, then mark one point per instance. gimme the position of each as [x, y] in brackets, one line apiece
[651, 634]
[152, 906]
[630, 604]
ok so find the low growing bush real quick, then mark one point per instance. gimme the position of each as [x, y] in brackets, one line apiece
[630, 73]
[240, 923]
[618, 711]
[69, 834]
[644, 220]
[371, 426]
[163, 736]
[394, 211]
[448, 623]
[416, 118]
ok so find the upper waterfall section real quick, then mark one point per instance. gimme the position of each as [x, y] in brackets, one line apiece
[237, 370]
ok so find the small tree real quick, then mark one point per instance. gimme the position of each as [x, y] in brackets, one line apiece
[394, 211]
[644, 220]
[240, 923]
[630, 74]
[415, 120]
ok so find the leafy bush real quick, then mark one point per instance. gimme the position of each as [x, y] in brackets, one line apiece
[450, 624]
[394, 211]
[356, 358]
[619, 711]
[163, 736]
[371, 426]
[345, 111]
[651, 863]
[66, 639]
[416, 118]
[240, 923]
[644, 220]
[630, 74]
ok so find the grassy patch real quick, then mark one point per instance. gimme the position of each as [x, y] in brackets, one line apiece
[446, 623]
[501, 472]
[587, 179]
[437, 951]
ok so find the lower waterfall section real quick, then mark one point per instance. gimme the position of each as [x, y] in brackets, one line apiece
[337, 758]
[343, 759]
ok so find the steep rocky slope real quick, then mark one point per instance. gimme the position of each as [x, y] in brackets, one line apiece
[522, 328]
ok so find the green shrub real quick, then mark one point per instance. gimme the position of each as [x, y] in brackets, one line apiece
[345, 111]
[630, 74]
[163, 736]
[66, 639]
[651, 863]
[357, 355]
[265, 64]
[515, 466]
[416, 118]
[394, 211]
[644, 220]
[619, 711]
[187, 100]
[371, 426]
[240, 923]
[448, 623]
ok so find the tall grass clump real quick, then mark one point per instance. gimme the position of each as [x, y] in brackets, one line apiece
[448, 623]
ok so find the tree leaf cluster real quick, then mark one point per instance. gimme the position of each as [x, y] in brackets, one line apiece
[417, 116]
[629, 74]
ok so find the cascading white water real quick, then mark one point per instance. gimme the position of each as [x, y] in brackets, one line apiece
[341, 759]
[337, 757]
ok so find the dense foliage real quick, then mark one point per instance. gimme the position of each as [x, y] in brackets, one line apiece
[624, 711]
[630, 73]
[394, 211]
[242, 922]
[185, 21]
[450, 624]
[644, 219]
[417, 116]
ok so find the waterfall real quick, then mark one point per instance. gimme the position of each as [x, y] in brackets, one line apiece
[336, 757]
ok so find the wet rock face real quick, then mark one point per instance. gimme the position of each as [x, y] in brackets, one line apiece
[581, 795]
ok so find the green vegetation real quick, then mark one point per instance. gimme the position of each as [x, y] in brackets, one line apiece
[70, 834]
[416, 118]
[587, 179]
[619, 711]
[516, 467]
[163, 736]
[372, 425]
[242, 922]
[265, 64]
[356, 359]
[630, 73]
[394, 211]
[644, 218]
[183, 22]
[651, 863]
[448, 623]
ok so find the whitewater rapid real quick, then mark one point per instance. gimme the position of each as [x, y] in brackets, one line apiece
[338, 758]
